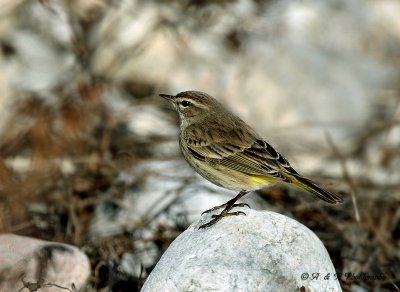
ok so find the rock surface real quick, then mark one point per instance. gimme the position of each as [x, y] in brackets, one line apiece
[40, 265]
[262, 251]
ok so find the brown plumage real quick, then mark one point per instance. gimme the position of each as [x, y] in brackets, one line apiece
[229, 153]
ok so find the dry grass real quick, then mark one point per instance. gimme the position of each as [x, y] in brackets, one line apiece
[46, 203]
[75, 150]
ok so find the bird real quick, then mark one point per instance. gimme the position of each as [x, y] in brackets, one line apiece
[225, 150]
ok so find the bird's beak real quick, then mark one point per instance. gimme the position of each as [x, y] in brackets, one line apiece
[167, 97]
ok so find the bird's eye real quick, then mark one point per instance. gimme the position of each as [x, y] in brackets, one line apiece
[186, 103]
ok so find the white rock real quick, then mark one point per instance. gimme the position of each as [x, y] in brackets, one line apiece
[24, 259]
[262, 251]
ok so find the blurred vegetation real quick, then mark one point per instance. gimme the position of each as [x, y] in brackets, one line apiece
[77, 79]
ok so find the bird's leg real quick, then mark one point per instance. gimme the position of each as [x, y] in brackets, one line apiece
[225, 212]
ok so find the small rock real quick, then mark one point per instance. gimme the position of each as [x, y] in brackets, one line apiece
[40, 265]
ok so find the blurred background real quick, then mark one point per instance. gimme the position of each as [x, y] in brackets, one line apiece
[89, 153]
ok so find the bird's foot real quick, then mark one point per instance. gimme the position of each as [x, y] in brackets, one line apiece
[224, 213]
[225, 205]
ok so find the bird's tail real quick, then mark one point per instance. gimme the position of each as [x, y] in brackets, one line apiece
[310, 186]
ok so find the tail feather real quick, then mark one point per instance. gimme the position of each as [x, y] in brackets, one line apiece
[310, 186]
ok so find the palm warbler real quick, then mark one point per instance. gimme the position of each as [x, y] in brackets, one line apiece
[226, 151]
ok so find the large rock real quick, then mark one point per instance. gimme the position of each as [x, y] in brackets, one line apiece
[40, 265]
[263, 251]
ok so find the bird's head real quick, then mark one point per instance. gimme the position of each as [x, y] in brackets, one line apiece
[192, 105]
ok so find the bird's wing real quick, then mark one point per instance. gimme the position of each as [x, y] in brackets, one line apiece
[237, 149]
[215, 143]
[263, 158]
[244, 152]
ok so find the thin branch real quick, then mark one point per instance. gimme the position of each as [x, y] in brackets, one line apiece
[346, 174]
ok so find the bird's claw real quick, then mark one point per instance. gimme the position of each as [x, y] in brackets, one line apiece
[224, 205]
[229, 214]
[216, 218]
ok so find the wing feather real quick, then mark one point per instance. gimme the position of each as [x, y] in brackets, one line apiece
[239, 150]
